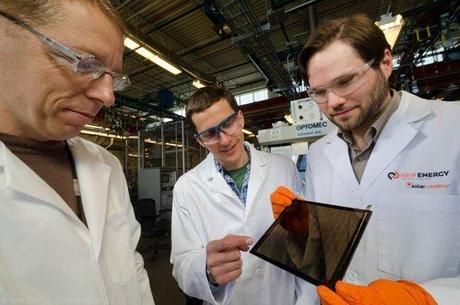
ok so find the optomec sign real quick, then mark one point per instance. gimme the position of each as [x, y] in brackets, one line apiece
[313, 129]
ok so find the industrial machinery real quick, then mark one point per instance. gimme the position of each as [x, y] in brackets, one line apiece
[292, 141]
[309, 125]
[157, 183]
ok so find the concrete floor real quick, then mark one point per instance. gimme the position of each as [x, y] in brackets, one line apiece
[164, 287]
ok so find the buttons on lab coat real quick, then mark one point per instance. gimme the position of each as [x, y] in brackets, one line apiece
[258, 272]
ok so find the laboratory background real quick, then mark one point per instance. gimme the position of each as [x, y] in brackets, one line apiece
[250, 47]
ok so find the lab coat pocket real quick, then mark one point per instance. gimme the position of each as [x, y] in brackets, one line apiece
[119, 254]
[418, 235]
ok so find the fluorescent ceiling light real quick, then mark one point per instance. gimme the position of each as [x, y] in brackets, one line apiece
[157, 60]
[173, 144]
[107, 135]
[391, 26]
[101, 134]
[104, 134]
[136, 47]
[96, 127]
[198, 84]
[131, 44]
[160, 143]
[247, 132]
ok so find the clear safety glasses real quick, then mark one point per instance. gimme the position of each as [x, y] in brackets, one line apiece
[228, 126]
[81, 63]
[342, 86]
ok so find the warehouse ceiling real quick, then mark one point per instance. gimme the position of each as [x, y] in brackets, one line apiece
[248, 44]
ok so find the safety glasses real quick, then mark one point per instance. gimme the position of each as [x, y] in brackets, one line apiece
[80, 62]
[343, 85]
[228, 126]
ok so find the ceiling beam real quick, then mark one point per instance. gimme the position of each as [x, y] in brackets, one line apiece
[170, 56]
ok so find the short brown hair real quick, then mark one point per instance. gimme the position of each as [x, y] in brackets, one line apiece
[204, 98]
[359, 31]
[43, 12]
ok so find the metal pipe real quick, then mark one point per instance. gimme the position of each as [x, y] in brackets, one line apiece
[183, 147]
[176, 150]
[145, 8]
[217, 72]
[140, 158]
[311, 18]
[123, 4]
[285, 34]
[187, 149]
[205, 45]
[170, 56]
[267, 80]
[164, 14]
[298, 7]
[188, 12]
[163, 161]
[126, 156]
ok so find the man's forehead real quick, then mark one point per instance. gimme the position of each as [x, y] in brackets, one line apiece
[337, 58]
[213, 115]
[86, 27]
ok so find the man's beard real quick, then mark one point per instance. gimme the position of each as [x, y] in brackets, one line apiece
[369, 109]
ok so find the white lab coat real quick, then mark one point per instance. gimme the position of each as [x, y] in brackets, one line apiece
[48, 256]
[205, 208]
[414, 233]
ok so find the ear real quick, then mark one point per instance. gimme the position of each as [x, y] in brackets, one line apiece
[386, 65]
[242, 119]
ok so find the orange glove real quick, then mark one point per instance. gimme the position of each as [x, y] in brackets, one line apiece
[380, 292]
[280, 199]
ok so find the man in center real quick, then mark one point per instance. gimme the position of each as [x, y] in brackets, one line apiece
[222, 206]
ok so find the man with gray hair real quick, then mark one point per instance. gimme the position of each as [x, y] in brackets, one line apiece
[67, 229]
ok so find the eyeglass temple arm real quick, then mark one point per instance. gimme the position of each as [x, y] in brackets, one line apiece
[56, 45]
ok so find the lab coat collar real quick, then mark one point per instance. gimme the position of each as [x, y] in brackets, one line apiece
[413, 108]
[401, 128]
[258, 174]
[217, 181]
[22, 179]
[94, 179]
[399, 131]
[212, 171]
[337, 154]
[256, 178]
[93, 176]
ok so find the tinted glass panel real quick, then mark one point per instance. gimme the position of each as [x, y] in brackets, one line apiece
[314, 241]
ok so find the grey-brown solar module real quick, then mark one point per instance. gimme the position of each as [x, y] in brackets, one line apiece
[314, 241]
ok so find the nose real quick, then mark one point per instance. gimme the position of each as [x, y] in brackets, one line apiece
[101, 89]
[334, 100]
[224, 139]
